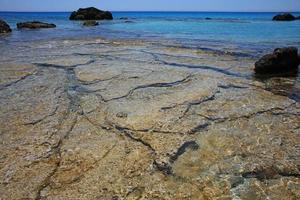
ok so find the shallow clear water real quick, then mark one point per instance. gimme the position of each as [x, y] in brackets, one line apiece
[255, 31]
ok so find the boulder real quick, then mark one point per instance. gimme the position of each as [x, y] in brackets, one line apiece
[123, 18]
[4, 27]
[34, 25]
[90, 14]
[90, 23]
[297, 18]
[283, 60]
[284, 17]
[208, 18]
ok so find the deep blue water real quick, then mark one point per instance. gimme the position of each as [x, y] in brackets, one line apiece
[244, 30]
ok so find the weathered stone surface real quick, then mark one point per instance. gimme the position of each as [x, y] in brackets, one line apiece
[90, 23]
[284, 17]
[99, 119]
[34, 25]
[282, 60]
[90, 13]
[4, 27]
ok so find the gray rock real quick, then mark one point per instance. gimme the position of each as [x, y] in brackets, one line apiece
[4, 27]
[282, 60]
[91, 13]
[284, 17]
[34, 25]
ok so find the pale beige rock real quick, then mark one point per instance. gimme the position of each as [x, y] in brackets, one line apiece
[100, 119]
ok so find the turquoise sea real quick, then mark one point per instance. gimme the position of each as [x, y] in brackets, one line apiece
[250, 31]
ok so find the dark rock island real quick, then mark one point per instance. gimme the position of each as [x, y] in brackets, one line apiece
[4, 27]
[281, 61]
[91, 13]
[34, 25]
[285, 17]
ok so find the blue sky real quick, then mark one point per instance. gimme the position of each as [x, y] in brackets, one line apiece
[152, 5]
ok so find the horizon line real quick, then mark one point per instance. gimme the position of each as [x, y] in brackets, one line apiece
[165, 11]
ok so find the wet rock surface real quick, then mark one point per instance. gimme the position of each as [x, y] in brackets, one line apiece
[90, 14]
[283, 60]
[99, 119]
[34, 25]
[4, 27]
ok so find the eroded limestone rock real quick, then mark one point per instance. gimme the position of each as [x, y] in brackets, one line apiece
[135, 120]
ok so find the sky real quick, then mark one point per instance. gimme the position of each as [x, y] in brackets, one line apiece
[152, 5]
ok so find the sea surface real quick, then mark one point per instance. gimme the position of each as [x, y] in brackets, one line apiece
[254, 32]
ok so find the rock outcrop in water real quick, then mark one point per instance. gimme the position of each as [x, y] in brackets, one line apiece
[34, 25]
[4, 27]
[91, 13]
[284, 17]
[281, 61]
[90, 23]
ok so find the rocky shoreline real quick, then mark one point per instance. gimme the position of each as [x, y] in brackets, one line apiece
[101, 119]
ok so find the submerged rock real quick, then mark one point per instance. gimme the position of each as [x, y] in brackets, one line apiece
[284, 17]
[128, 21]
[123, 18]
[90, 13]
[34, 25]
[4, 27]
[281, 61]
[90, 23]
[89, 126]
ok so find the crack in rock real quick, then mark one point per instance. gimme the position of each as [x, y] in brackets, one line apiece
[163, 167]
[4, 86]
[183, 148]
[99, 80]
[230, 86]
[152, 85]
[214, 69]
[56, 152]
[269, 173]
[126, 132]
[43, 118]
